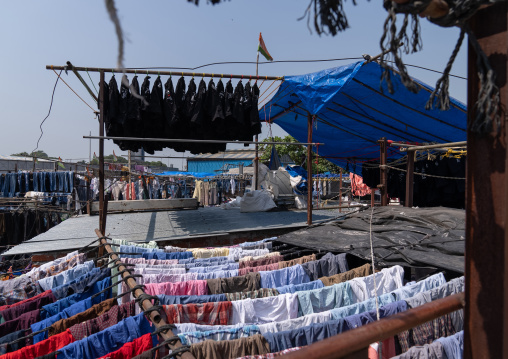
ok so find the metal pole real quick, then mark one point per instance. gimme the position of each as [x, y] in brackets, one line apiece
[130, 177]
[428, 147]
[256, 159]
[410, 178]
[382, 171]
[102, 225]
[309, 169]
[164, 73]
[340, 191]
[146, 304]
[486, 313]
[90, 149]
[82, 81]
[196, 141]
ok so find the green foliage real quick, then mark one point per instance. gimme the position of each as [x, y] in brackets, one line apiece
[298, 155]
[38, 154]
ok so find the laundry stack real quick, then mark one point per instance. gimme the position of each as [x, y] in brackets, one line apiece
[254, 300]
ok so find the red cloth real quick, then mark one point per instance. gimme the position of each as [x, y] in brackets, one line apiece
[387, 349]
[132, 349]
[4, 307]
[357, 186]
[42, 348]
[213, 313]
[268, 267]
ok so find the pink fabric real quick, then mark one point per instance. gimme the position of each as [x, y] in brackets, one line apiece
[192, 287]
[358, 187]
[267, 267]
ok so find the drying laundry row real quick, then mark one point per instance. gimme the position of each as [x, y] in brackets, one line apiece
[206, 112]
[280, 304]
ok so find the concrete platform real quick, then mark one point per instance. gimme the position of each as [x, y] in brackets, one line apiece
[183, 227]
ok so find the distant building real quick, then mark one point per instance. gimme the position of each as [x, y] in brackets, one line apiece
[222, 161]
[20, 163]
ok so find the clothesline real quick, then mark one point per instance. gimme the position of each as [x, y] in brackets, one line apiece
[253, 298]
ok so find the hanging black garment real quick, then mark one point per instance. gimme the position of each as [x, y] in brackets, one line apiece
[180, 124]
[214, 120]
[105, 112]
[197, 118]
[122, 112]
[153, 115]
[169, 109]
[133, 122]
[190, 99]
[246, 132]
[145, 93]
[229, 104]
[114, 96]
[238, 112]
[255, 122]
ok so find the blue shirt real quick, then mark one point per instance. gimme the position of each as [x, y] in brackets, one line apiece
[293, 288]
[82, 283]
[108, 340]
[164, 255]
[187, 299]
[54, 308]
[284, 276]
[66, 276]
[136, 251]
[357, 320]
[217, 274]
[365, 306]
[74, 309]
[326, 298]
[453, 345]
[218, 334]
[201, 269]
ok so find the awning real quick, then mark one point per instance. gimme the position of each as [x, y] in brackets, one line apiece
[353, 111]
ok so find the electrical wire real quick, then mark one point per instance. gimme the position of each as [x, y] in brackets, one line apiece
[49, 112]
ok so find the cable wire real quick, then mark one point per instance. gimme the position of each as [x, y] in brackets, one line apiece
[49, 112]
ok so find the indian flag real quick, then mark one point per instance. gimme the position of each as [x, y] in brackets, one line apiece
[263, 50]
[114, 156]
[94, 156]
[60, 162]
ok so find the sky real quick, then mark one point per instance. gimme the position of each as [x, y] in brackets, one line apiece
[174, 33]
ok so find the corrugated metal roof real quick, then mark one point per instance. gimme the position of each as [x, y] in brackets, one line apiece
[228, 155]
[21, 158]
[77, 232]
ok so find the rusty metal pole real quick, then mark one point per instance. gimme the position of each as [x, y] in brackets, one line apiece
[340, 191]
[309, 169]
[372, 197]
[256, 164]
[410, 178]
[383, 171]
[486, 313]
[102, 224]
[146, 304]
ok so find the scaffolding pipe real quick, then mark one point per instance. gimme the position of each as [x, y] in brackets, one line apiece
[137, 139]
[165, 73]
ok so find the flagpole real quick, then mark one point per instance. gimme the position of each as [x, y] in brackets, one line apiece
[256, 159]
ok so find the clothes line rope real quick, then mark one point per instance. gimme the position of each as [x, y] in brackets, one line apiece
[422, 174]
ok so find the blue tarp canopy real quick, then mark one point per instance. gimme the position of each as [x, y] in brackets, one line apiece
[193, 174]
[352, 112]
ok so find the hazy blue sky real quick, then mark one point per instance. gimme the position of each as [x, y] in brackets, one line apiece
[173, 33]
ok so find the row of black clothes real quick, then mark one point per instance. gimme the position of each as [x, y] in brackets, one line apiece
[16, 227]
[427, 191]
[198, 112]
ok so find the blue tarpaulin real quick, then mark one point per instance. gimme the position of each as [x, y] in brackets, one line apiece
[352, 113]
[193, 174]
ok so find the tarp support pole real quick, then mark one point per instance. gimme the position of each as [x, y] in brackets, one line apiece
[309, 169]
[486, 272]
[410, 178]
[256, 163]
[372, 197]
[383, 171]
[102, 218]
[340, 191]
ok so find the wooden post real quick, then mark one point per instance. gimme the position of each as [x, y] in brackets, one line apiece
[340, 191]
[410, 178]
[372, 197]
[486, 313]
[383, 171]
[309, 169]
[256, 165]
[102, 224]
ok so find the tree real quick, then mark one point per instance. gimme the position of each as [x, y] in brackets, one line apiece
[38, 154]
[297, 153]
